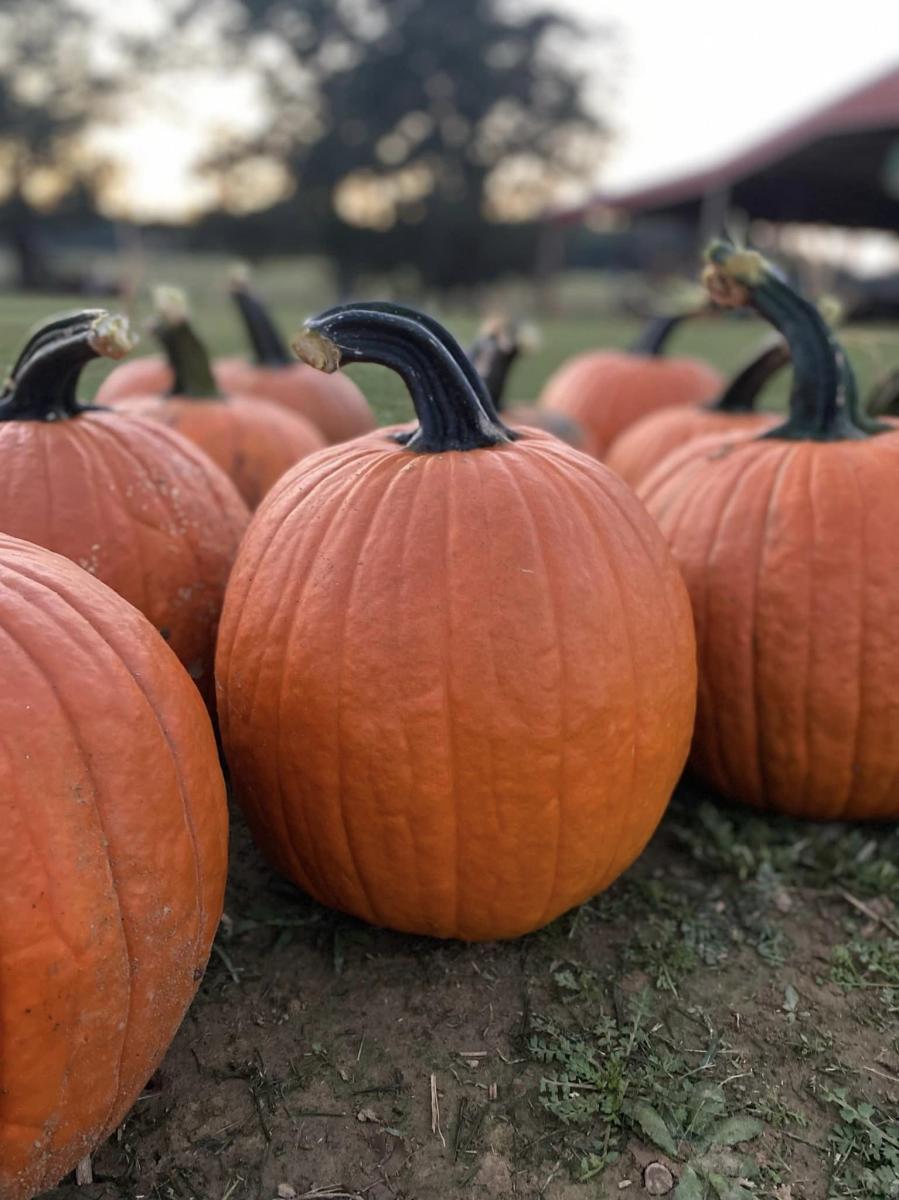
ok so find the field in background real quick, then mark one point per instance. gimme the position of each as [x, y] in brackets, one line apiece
[296, 289]
[724, 1018]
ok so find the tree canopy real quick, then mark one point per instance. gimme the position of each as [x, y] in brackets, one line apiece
[409, 135]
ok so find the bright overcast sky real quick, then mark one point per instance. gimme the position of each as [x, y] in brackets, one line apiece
[699, 79]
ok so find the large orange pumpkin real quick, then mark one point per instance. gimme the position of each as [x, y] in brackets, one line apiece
[253, 441]
[493, 352]
[333, 403]
[455, 677]
[113, 849]
[133, 503]
[787, 544]
[608, 390]
[644, 445]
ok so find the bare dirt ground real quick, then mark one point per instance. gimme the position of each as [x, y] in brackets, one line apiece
[727, 1016]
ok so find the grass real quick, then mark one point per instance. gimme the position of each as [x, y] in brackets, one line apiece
[296, 289]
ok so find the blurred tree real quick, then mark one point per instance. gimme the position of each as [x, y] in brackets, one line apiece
[418, 134]
[52, 86]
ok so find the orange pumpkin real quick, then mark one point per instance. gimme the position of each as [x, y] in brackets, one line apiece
[644, 445]
[334, 404]
[493, 353]
[131, 502]
[455, 677]
[139, 377]
[786, 542]
[113, 852]
[608, 390]
[254, 442]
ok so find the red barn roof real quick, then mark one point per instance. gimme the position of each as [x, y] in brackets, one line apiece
[832, 166]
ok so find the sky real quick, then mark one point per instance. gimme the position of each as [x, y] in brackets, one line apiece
[686, 84]
[698, 80]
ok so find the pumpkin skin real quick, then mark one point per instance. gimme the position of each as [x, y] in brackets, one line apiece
[138, 377]
[254, 442]
[645, 444]
[786, 543]
[607, 391]
[109, 903]
[475, 688]
[131, 502]
[333, 403]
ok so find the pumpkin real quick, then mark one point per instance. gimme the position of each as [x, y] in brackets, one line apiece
[608, 390]
[253, 441]
[455, 677]
[493, 353]
[643, 445]
[333, 403]
[113, 852]
[786, 542]
[132, 502]
[143, 376]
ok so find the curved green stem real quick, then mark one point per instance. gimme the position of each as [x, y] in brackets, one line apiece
[189, 360]
[45, 332]
[44, 387]
[742, 392]
[656, 332]
[269, 349]
[451, 402]
[492, 354]
[823, 401]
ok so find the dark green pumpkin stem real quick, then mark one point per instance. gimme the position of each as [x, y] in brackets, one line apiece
[883, 400]
[45, 384]
[451, 401]
[492, 354]
[743, 391]
[187, 355]
[656, 332]
[49, 330]
[823, 400]
[269, 348]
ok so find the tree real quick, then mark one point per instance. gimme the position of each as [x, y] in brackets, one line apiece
[52, 86]
[418, 133]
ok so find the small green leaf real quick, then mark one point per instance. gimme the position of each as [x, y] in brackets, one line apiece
[791, 999]
[690, 1186]
[726, 1189]
[733, 1130]
[654, 1127]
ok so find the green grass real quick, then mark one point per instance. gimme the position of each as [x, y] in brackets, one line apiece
[298, 288]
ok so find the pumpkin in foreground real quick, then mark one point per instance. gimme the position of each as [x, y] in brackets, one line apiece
[455, 677]
[787, 543]
[644, 445]
[253, 441]
[608, 390]
[133, 503]
[113, 849]
[333, 403]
